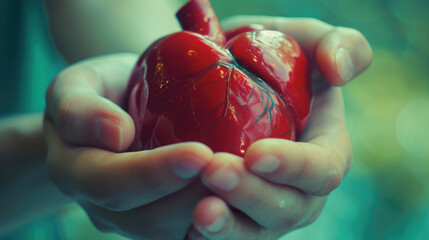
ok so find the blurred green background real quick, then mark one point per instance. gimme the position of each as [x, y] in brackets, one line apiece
[386, 194]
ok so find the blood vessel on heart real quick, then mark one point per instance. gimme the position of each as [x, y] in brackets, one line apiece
[226, 90]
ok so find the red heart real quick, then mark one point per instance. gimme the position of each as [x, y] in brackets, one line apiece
[226, 92]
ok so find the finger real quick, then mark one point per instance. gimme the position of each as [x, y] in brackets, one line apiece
[326, 126]
[340, 53]
[212, 219]
[122, 181]
[315, 166]
[272, 206]
[167, 218]
[84, 102]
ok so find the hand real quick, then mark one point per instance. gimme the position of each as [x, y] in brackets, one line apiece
[147, 194]
[281, 185]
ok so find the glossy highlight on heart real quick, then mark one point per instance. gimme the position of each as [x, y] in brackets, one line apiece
[226, 90]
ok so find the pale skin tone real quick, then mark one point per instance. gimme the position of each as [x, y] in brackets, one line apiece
[117, 189]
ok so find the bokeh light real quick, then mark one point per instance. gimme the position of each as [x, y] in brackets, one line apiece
[412, 126]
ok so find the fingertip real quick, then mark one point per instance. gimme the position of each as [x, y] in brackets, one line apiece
[195, 149]
[224, 173]
[210, 216]
[261, 157]
[109, 133]
[84, 102]
[112, 129]
[186, 159]
[188, 166]
[127, 130]
[343, 54]
[202, 149]
[93, 121]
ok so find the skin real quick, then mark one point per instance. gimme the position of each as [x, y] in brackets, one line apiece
[117, 188]
[307, 170]
[292, 193]
[122, 192]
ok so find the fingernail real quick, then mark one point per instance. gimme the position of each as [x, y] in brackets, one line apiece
[187, 167]
[109, 133]
[217, 225]
[266, 164]
[344, 64]
[224, 179]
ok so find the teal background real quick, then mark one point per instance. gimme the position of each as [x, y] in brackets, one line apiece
[386, 194]
[28, 59]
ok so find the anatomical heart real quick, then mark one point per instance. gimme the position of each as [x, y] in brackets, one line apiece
[226, 90]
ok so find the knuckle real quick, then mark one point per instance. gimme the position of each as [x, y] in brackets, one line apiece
[254, 199]
[65, 110]
[294, 216]
[69, 110]
[56, 83]
[288, 224]
[301, 166]
[290, 221]
[273, 225]
[334, 172]
[294, 219]
[58, 95]
[313, 217]
[286, 213]
[334, 179]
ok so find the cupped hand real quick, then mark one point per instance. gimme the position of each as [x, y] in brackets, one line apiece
[282, 185]
[147, 194]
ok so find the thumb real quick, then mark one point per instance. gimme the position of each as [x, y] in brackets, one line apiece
[78, 103]
[92, 120]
